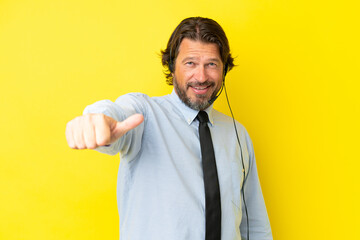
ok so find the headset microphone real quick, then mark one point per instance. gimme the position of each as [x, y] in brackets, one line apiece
[211, 101]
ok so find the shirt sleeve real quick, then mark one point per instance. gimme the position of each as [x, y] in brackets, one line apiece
[259, 224]
[122, 108]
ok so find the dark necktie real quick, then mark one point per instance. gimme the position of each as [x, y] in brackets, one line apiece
[211, 182]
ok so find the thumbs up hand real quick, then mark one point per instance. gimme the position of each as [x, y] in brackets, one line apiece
[93, 130]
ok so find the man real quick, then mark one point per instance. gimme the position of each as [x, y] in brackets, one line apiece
[183, 173]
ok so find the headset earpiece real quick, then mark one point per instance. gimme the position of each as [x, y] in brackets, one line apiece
[171, 67]
[171, 63]
[225, 70]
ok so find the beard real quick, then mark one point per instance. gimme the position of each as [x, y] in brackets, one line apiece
[201, 102]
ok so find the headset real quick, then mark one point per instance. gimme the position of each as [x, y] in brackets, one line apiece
[211, 101]
[242, 162]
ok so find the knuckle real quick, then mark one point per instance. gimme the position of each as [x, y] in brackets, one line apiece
[77, 122]
[69, 124]
[72, 145]
[101, 118]
[78, 118]
[91, 145]
[69, 127]
[96, 118]
[81, 146]
[87, 117]
[102, 140]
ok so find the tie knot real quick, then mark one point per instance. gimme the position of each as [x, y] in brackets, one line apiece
[202, 117]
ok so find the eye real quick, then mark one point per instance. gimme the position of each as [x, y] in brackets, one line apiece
[189, 63]
[212, 64]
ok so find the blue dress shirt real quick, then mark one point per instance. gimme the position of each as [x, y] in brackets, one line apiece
[160, 188]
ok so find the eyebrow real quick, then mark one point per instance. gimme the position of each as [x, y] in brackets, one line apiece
[195, 58]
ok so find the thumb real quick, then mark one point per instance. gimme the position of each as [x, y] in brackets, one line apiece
[123, 127]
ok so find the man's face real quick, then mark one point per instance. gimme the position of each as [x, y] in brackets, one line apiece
[198, 73]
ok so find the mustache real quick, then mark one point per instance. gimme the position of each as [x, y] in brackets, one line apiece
[200, 84]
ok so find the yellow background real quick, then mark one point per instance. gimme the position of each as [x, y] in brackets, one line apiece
[295, 89]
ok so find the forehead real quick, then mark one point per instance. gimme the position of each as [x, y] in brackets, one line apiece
[197, 48]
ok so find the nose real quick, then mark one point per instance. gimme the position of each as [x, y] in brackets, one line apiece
[200, 74]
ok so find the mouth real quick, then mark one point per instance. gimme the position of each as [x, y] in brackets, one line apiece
[200, 90]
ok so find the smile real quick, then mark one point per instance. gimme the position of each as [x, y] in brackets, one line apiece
[200, 89]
